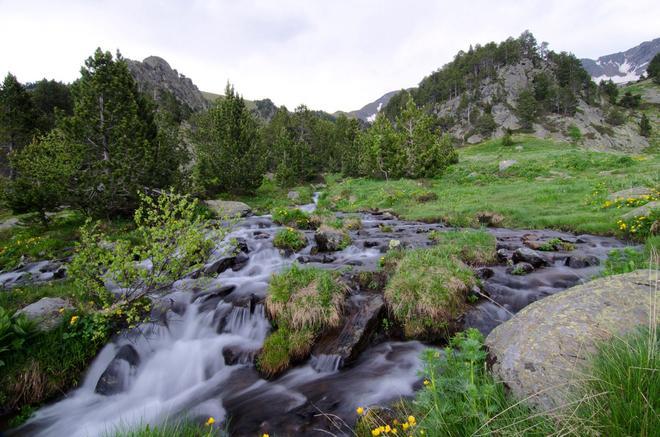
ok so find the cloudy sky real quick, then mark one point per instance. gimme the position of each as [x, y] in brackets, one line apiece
[331, 55]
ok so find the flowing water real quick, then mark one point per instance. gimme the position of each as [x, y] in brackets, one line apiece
[196, 358]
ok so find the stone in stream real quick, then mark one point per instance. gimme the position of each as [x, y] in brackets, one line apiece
[541, 352]
[46, 312]
[521, 268]
[536, 259]
[115, 377]
[360, 318]
[579, 261]
[330, 239]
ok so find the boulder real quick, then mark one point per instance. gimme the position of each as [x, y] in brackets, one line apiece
[116, 376]
[228, 208]
[525, 254]
[643, 210]
[581, 261]
[46, 312]
[506, 164]
[293, 195]
[330, 239]
[521, 268]
[490, 219]
[541, 352]
[631, 193]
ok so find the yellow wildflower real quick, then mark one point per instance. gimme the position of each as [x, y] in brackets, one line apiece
[210, 421]
[265, 435]
[394, 431]
[375, 432]
[411, 420]
[387, 428]
[360, 411]
[405, 426]
[73, 320]
[61, 310]
[427, 382]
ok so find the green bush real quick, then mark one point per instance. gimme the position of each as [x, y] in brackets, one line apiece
[290, 238]
[574, 133]
[460, 398]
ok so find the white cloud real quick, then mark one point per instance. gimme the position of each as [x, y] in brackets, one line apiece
[329, 55]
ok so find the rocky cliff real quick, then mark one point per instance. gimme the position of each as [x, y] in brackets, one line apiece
[155, 77]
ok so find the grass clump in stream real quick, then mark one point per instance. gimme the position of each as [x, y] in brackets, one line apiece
[302, 302]
[290, 239]
[428, 288]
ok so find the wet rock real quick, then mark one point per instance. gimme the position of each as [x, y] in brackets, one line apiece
[579, 261]
[220, 265]
[644, 210]
[46, 312]
[116, 376]
[236, 354]
[293, 195]
[323, 259]
[330, 239]
[240, 261]
[502, 254]
[387, 216]
[241, 245]
[521, 268]
[484, 272]
[631, 193]
[368, 244]
[227, 208]
[536, 259]
[541, 351]
[361, 317]
[506, 164]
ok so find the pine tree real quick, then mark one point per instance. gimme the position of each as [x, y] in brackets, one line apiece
[381, 151]
[44, 170]
[17, 118]
[113, 126]
[527, 109]
[228, 149]
[653, 70]
[645, 126]
[50, 98]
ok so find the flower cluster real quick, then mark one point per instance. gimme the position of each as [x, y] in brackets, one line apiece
[406, 426]
[631, 202]
[641, 225]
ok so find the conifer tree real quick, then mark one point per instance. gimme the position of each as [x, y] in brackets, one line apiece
[17, 118]
[645, 126]
[113, 129]
[228, 150]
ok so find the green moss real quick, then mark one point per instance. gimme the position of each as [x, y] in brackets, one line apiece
[556, 244]
[290, 239]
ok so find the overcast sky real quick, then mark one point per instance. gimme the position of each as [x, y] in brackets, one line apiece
[329, 54]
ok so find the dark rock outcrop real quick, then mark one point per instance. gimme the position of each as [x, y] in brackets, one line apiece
[116, 376]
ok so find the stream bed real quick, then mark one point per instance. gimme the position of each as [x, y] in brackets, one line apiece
[196, 357]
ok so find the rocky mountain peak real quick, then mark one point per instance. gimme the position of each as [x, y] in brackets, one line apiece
[155, 76]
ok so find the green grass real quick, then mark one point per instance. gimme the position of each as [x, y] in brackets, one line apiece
[24, 295]
[302, 302]
[289, 238]
[270, 196]
[185, 428]
[622, 393]
[30, 241]
[553, 185]
[476, 248]
[630, 259]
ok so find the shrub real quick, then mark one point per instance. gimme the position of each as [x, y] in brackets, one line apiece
[290, 238]
[14, 331]
[574, 133]
[507, 139]
[615, 117]
[630, 259]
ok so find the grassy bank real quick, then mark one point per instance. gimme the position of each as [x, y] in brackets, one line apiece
[551, 185]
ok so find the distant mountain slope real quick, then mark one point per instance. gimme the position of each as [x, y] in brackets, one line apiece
[625, 66]
[368, 112]
[155, 77]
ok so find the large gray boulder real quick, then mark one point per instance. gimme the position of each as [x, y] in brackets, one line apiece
[542, 351]
[228, 208]
[46, 312]
[631, 193]
[644, 210]
[330, 239]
